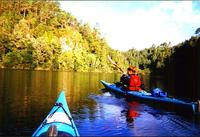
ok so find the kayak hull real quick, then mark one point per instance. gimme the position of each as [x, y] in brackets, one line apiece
[60, 117]
[147, 97]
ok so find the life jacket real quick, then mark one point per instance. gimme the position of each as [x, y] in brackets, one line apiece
[135, 83]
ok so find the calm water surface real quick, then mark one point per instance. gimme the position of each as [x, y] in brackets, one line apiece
[27, 96]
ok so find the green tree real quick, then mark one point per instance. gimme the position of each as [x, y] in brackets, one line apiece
[197, 31]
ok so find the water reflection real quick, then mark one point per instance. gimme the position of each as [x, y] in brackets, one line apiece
[27, 96]
[132, 111]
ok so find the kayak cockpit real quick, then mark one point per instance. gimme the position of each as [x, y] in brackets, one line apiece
[59, 134]
[55, 129]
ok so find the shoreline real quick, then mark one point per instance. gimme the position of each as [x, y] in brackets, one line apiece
[53, 70]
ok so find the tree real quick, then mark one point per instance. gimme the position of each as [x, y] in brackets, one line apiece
[197, 32]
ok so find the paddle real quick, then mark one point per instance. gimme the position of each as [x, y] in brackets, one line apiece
[115, 64]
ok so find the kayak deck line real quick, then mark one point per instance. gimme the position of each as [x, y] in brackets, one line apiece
[145, 96]
[59, 117]
[58, 120]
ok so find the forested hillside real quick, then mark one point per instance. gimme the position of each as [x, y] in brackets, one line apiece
[182, 70]
[39, 35]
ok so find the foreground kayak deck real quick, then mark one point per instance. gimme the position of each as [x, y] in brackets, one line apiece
[58, 120]
[144, 96]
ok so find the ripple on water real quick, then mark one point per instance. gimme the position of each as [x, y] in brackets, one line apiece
[109, 119]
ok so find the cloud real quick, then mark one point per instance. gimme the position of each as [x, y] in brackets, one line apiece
[139, 28]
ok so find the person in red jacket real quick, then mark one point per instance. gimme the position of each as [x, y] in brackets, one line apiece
[132, 80]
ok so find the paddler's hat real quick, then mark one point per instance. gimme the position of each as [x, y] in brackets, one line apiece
[133, 69]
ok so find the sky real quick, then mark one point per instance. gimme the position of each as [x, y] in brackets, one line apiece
[138, 24]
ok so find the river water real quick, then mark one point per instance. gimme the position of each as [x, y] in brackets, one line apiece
[27, 96]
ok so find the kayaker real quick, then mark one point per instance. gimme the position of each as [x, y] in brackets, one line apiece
[131, 80]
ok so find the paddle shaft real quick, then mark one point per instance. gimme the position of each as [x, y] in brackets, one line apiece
[115, 64]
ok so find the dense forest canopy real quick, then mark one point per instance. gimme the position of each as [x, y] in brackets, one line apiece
[39, 35]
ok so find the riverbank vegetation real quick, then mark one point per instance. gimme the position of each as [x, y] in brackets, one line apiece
[39, 35]
[182, 69]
